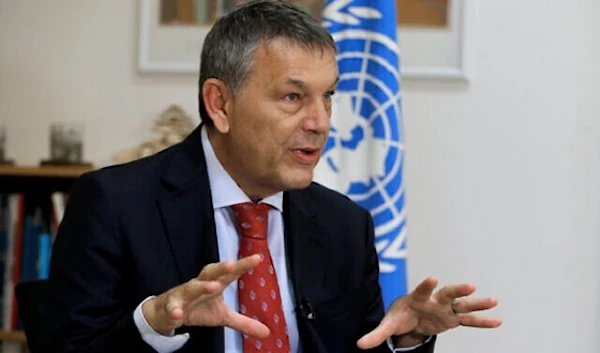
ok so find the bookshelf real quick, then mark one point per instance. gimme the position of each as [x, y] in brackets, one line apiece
[30, 180]
[43, 172]
[12, 336]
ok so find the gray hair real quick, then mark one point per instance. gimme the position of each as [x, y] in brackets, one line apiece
[227, 53]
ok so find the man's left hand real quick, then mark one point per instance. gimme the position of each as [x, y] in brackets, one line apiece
[423, 313]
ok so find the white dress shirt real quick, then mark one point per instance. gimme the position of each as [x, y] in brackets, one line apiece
[225, 193]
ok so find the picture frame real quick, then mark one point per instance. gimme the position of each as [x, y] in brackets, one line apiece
[438, 53]
[426, 53]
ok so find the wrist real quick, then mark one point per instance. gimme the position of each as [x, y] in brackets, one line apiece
[150, 313]
[410, 339]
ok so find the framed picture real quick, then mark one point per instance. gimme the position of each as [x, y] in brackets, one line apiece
[431, 34]
[432, 38]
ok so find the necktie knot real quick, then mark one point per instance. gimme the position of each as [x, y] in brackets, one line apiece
[252, 219]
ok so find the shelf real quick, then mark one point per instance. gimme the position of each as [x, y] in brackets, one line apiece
[15, 336]
[44, 171]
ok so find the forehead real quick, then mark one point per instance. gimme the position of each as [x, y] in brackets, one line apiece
[280, 60]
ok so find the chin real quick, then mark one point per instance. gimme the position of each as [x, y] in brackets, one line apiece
[299, 180]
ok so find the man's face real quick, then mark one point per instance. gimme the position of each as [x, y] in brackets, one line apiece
[279, 120]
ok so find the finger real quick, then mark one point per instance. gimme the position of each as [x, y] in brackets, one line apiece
[246, 264]
[477, 304]
[174, 309]
[174, 306]
[447, 294]
[425, 288]
[245, 324]
[240, 267]
[212, 272]
[229, 270]
[471, 320]
[373, 339]
[195, 289]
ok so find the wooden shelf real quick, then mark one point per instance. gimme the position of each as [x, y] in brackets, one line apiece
[15, 336]
[44, 171]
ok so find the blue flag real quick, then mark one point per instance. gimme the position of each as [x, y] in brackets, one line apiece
[364, 154]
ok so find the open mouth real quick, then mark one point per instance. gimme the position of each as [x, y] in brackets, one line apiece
[306, 155]
[308, 151]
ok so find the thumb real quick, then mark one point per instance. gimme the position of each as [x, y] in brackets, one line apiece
[386, 329]
[244, 324]
[174, 309]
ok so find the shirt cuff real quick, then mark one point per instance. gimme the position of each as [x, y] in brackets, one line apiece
[160, 343]
[406, 349]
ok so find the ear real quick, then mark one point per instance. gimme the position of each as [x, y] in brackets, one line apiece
[216, 101]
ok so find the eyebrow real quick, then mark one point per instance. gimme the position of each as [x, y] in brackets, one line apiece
[301, 85]
[298, 83]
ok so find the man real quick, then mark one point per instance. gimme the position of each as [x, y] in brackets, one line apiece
[222, 243]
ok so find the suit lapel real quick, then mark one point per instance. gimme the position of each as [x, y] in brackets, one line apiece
[189, 223]
[187, 209]
[188, 217]
[307, 245]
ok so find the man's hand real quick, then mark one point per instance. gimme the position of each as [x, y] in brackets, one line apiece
[422, 313]
[199, 302]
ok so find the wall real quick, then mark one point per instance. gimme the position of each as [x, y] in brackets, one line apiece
[503, 177]
[502, 174]
[76, 60]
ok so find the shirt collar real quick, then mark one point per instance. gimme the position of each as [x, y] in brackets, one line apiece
[224, 190]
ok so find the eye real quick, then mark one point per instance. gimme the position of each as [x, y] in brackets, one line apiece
[328, 95]
[292, 97]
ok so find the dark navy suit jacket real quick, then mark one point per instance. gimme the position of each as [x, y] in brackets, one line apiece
[141, 228]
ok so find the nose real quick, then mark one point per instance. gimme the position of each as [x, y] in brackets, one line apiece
[318, 117]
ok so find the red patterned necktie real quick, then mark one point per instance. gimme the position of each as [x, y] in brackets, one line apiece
[258, 290]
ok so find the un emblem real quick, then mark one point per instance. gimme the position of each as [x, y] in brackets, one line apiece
[363, 157]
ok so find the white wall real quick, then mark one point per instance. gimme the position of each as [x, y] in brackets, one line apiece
[503, 177]
[503, 174]
[76, 60]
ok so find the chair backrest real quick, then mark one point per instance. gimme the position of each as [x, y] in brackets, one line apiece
[30, 296]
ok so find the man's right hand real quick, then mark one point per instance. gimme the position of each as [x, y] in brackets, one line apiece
[199, 302]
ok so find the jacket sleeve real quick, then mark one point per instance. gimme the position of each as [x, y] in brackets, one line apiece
[374, 299]
[86, 309]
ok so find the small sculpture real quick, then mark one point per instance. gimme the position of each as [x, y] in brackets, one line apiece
[173, 124]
